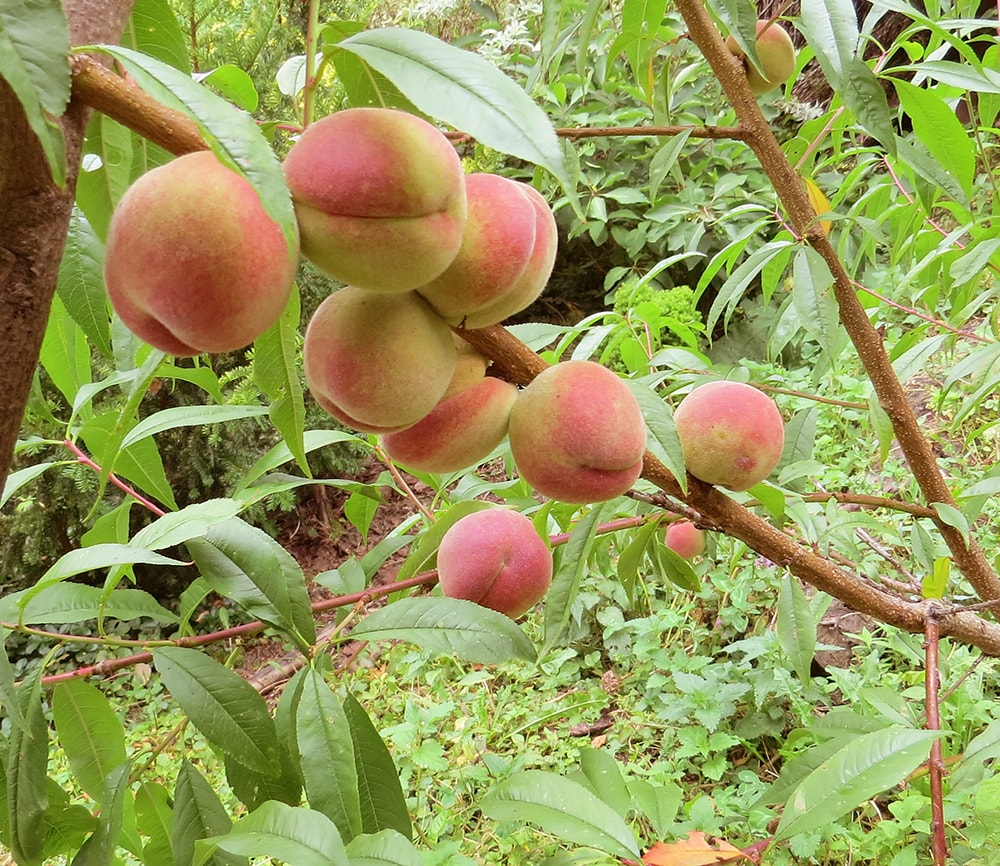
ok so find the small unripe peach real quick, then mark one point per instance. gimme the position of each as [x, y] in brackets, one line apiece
[685, 539]
[497, 559]
[777, 57]
[506, 256]
[460, 431]
[577, 433]
[193, 262]
[380, 198]
[732, 434]
[377, 362]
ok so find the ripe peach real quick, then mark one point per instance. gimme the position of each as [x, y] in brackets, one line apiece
[377, 362]
[380, 198]
[776, 53]
[497, 559]
[685, 539]
[470, 367]
[506, 257]
[731, 434]
[577, 433]
[193, 261]
[459, 432]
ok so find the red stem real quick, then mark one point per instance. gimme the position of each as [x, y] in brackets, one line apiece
[114, 479]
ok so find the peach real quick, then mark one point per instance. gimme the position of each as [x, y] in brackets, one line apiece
[380, 198]
[459, 432]
[685, 539]
[497, 559]
[470, 367]
[506, 256]
[577, 433]
[732, 434]
[777, 57]
[377, 362]
[193, 262]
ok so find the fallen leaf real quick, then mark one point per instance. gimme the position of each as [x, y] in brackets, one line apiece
[694, 850]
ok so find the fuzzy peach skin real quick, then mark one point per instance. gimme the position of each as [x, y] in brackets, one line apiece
[459, 432]
[685, 539]
[496, 249]
[377, 362]
[497, 559]
[577, 433]
[777, 57]
[193, 262]
[380, 198]
[732, 434]
[470, 367]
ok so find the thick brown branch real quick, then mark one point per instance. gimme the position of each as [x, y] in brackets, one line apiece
[867, 342]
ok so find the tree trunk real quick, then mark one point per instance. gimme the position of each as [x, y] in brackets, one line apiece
[34, 219]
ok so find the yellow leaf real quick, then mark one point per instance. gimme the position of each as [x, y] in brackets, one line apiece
[694, 850]
[819, 202]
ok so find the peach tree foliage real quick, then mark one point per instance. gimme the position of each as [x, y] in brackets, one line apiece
[318, 746]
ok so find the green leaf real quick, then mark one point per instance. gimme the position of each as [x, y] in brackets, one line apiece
[571, 566]
[831, 29]
[90, 734]
[243, 563]
[927, 167]
[232, 83]
[81, 282]
[233, 135]
[663, 441]
[100, 848]
[935, 584]
[563, 808]
[385, 848]
[105, 171]
[605, 777]
[281, 453]
[227, 710]
[363, 85]
[465, 91]
[188, 416]
[383, 804]
[154, 820]
[674, 567]
[154, 30]
[866, 100]
[27, 779]
[296, 836]
[65, 353]
[796, 627]
[276, 373]
[882, 424]
[816, 307]
[198, 813]
[451, 626]
[16, 480]
[632, 556]
[326, 755]
[194, 521]
[860, 769]
[34, 61]
[252, 788]
[940, 131]
[951, 516]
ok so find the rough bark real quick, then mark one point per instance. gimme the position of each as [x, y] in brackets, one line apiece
[34, 219]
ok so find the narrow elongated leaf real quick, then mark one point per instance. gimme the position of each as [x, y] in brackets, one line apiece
[605, 777]
[385, 848]
[154, 819]
[27, 778]
[276, 373]
[572, 563]
[866, 99]
[811, 296]
[232, 135]
[862, 768]
[81, 282]
[75, 602]
[464, 90]
[293, 835]
[796, 627]
[154, 29]
[326, 755]
[194, 521]
[383, 804]
[34, 52]
[252, 788]
[662, 440]
[65, 354]
[245, 564]
[453, 626]
[831, 29]
[90, 734]
[198, 813]
[188, 416]
[99, 849]
[227, 710]
[16, 480]
[563, 808]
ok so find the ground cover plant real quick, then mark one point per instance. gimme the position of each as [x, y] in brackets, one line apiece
[835, 262]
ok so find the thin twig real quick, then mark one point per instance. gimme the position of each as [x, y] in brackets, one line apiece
[935, 765]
